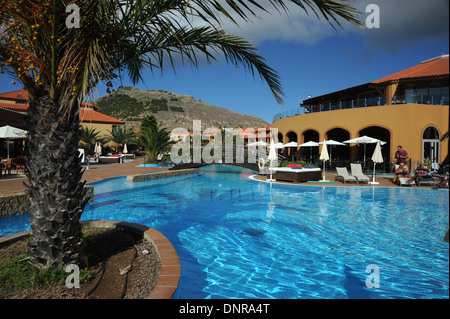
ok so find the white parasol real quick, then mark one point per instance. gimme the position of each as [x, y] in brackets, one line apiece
[377, 157]
[324, 157]
[12, 133]
[272, 157]
[364, 140]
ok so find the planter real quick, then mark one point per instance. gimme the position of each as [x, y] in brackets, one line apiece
[169, 277]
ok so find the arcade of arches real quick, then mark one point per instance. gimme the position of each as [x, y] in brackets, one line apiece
[419, 132]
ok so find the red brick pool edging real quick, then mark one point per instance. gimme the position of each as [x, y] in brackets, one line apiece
[169, 276]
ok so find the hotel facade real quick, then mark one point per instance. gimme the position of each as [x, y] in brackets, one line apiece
[409, 108]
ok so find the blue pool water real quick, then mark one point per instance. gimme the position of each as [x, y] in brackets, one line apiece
[240, 238]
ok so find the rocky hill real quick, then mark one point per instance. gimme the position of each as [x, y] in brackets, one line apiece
[171, 110]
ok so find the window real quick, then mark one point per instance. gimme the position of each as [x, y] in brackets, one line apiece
[430, 146]
[444, 98]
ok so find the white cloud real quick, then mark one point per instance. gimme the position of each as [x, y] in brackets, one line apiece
[403, 23]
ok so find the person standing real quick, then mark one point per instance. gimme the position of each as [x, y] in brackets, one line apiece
[401, 155]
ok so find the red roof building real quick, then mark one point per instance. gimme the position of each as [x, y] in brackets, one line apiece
[90, 117]
[432, 68]
[425, 83]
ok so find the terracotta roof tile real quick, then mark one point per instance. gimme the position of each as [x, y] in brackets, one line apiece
[14, 107]
[19, 95]
[94, 116]
[433, 67]
[86, 115]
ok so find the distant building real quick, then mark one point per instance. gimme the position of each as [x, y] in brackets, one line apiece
[17, 101]
[408, 108]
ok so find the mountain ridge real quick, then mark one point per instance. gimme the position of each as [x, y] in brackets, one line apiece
[171, 110]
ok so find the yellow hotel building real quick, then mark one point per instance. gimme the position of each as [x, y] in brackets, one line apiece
[409, 108]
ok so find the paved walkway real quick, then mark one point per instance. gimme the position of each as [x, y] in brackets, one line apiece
[14, 183]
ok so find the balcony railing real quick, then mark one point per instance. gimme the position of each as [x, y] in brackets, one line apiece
[366, 102]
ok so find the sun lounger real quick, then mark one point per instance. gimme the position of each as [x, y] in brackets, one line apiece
[357, 172]
[406, 181]
[343, 174]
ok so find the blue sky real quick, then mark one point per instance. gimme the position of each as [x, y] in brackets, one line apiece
[311, 57]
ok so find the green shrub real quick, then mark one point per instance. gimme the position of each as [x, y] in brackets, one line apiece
[176, 109]
[17, 275]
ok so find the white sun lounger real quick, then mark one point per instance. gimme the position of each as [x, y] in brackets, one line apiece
[357, 172]
[406, 181]
[343, 174]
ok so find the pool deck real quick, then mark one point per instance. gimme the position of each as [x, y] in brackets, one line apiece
[10, 184]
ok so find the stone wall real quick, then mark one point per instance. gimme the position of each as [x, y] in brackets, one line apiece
[155, 175]
[18, 204]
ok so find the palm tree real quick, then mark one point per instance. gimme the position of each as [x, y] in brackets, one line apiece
[154, 140]
[122, 136]
[90, 136]
[60, 67]
[149, 121]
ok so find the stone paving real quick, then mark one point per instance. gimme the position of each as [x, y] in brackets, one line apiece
[10, 184]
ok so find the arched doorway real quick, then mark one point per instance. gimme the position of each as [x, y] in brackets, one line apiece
[280, 137]
[339, 154]
[431, 145]
[383, 135]
[309, 154]
[291, 152]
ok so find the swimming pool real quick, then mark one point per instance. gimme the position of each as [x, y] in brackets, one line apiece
[240, 238]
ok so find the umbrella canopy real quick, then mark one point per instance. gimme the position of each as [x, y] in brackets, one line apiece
[259, 143]
[272, 157]
[377, 157]
[272, 152]
[125, 149]
[324, 156]
[331, 142]
[12, 133]
[324, 153]
[364, 140]
[309, 144]
[112, 144]
[278, 145]
[290, 144]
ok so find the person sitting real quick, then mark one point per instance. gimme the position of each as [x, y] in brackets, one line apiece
[444, 181]
[401, 172]
[422, 171]
[423, 175]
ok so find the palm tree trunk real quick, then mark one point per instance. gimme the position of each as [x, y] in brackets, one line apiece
[56, 192]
